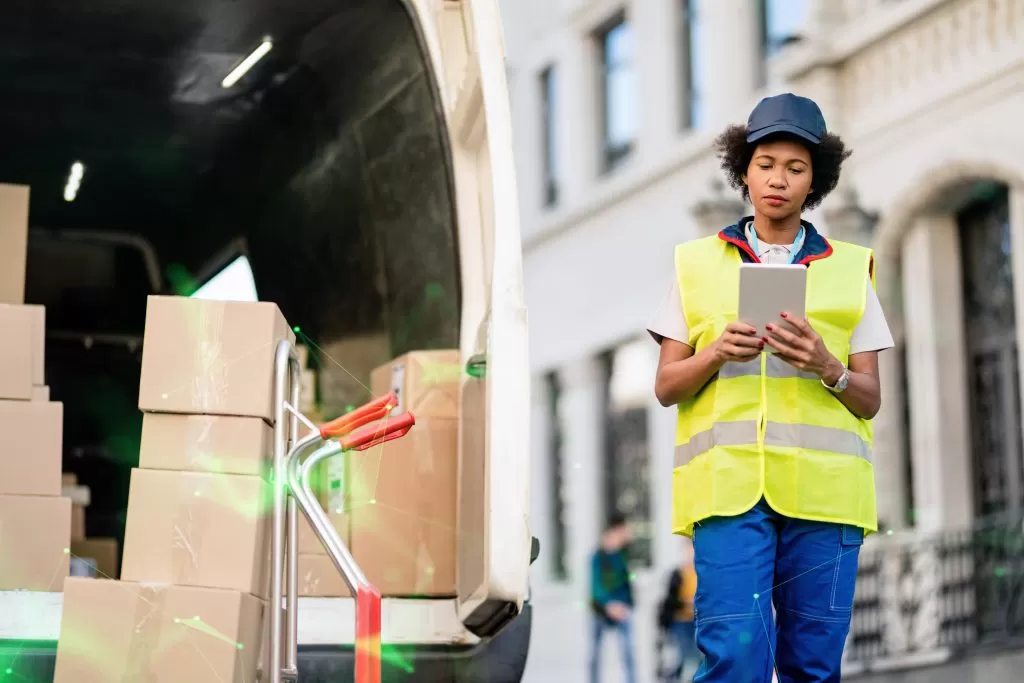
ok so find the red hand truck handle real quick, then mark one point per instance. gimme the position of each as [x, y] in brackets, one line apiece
[375, 410]
[367, 642]
[376, 434]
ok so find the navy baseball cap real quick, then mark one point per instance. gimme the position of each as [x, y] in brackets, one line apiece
[786, 113]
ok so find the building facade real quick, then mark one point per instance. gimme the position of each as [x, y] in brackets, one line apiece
[616, 104]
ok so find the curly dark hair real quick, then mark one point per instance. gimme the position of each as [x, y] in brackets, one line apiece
[827, 159]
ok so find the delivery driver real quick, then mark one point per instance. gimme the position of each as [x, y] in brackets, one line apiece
[773, 477]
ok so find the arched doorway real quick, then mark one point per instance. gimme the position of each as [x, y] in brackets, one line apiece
[990, 336]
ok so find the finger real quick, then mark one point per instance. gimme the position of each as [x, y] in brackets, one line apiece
[801, 324]
[744, 340]
[783, 349]
[741, 353]
[740, 328]
[790, 338]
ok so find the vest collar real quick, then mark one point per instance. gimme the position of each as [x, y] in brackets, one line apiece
[815, 245]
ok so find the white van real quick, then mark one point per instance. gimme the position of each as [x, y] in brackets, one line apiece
[358, 155]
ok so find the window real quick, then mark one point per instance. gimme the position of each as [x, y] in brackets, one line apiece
[627, 487]
[782, 22]
[618, 96]
[547, 98]
[559, 566]
[689, 53]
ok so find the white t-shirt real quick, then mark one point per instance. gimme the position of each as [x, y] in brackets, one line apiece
[871, 334]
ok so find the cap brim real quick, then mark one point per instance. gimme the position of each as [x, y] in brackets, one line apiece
[783, 128]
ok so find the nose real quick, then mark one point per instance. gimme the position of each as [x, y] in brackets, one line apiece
[777, 180]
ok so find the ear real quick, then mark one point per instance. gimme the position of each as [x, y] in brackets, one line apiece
[744, 178]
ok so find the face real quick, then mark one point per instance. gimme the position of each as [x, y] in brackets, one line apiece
[619, 536]
[779, 178]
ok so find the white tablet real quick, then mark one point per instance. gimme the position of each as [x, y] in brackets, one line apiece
[766, 290]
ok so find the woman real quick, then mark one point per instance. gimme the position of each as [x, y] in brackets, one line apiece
[773, 477]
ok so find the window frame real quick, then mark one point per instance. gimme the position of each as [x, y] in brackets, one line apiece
[548, 82]
[611, 154]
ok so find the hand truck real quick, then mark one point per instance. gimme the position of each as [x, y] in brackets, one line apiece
[294, 462]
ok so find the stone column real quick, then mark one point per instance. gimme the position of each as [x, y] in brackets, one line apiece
[730, 59]
[577, 138]
[937, 375]
[582, 385]
[655, 60]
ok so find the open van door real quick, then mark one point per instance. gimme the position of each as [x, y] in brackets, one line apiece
[494, 532]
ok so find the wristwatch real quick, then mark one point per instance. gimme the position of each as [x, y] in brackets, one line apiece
[841, 383]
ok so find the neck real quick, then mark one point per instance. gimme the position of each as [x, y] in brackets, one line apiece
[772, 231]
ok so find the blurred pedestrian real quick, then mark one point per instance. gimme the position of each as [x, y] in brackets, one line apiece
[612, 597]
[676, 616]
[773, 476]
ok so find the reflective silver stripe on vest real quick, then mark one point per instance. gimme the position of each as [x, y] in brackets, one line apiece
[776, 434]
[776, 369]
[817, 439]
[721, 434]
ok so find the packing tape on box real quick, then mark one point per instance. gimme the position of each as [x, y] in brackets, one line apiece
[424, 568]
[198, 450]
[210, 384]
[188, 522]
[145, 638]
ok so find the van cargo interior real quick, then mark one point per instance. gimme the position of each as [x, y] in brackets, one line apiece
[326, 166]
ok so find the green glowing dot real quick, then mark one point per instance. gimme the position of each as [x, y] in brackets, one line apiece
[339, 511]
[889, 532]
[8, 670]
[240, 646]
[430, 570]
[67, 551]
[296, 329]
[196, 494]
[1000, 572]
[757, 596]
[177, 620]
[745, 638]
[373, 501]
[197, 619]
[163, 395]
[349, 408]
[632, 576]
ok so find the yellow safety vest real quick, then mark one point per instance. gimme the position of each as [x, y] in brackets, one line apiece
[763, 428]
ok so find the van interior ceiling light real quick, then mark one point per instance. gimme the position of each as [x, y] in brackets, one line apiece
[74, 181]
[248, 63]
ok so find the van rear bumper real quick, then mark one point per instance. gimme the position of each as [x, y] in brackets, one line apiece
[501, 659]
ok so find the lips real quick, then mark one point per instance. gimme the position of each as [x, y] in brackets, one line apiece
[775, 200]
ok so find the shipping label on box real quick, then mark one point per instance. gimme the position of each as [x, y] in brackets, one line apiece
[14, 200]
[205, 357]
[427, 383]
[125, 631]
[31, 439]
[34, 536]
[18, 351]
[207, 443]
[198, 529]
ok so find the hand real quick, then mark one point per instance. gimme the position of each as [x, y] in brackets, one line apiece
[738, 343]
[804, 349]
[617, 611]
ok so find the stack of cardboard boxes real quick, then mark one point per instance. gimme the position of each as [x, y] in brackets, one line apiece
[195, 573]
[35, 521]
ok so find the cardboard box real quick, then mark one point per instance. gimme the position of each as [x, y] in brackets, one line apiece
[31, 438]
[206, 443]
[101, 553]
[427, 383]
[210, 357]
[34, 536]
[40, 394]
[38, 314]
[17, 351]
[319, 578]
[403, 493]
[198, 529]
[309, 544]
[13, 242]
[122, 631]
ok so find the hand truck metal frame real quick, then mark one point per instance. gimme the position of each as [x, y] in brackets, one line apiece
[294, 462]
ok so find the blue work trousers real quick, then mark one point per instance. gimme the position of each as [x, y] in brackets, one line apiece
[748, 563]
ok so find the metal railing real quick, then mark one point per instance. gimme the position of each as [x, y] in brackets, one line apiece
[924, 599]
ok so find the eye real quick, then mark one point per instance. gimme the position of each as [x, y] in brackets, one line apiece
[796, 171]
[765, 167]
